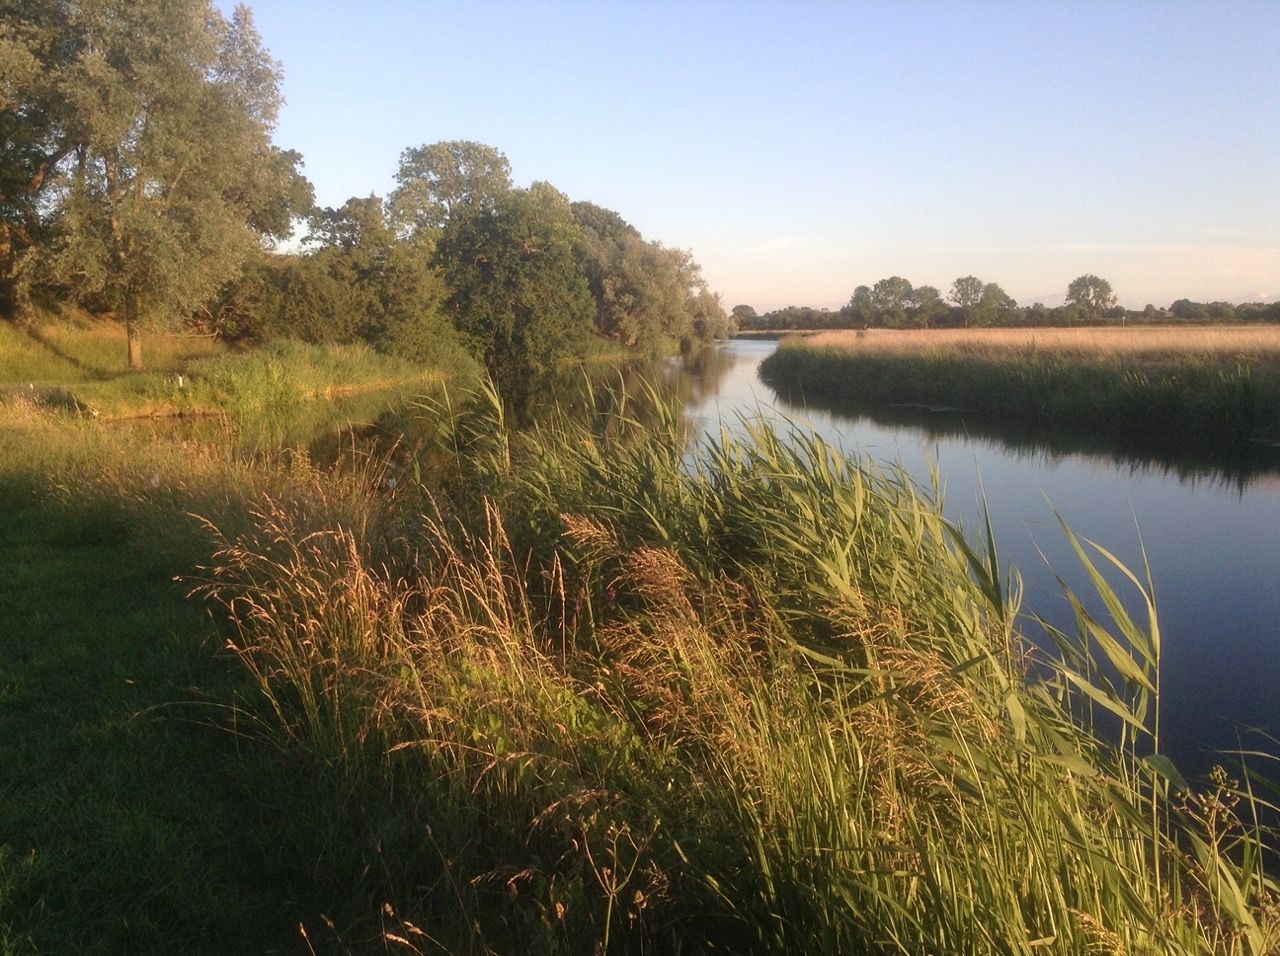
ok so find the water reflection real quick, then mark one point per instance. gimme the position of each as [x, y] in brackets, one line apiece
[1234, 466]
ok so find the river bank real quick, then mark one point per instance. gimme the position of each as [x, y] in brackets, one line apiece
[1202, 387]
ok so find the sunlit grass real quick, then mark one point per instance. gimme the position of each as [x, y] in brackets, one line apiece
[1143, 343]
[80, 366]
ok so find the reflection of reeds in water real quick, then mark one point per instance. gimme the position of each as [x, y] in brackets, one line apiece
[771, 703]
[1239, 466]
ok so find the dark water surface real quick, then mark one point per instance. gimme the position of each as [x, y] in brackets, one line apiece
[1211, 534]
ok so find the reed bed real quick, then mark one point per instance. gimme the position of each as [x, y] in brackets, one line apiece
[1196, 387]
[1153, 343]
[574, 695]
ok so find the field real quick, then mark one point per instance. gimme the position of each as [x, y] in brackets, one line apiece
[554, 691]
[1155, 344]
[1205, 387]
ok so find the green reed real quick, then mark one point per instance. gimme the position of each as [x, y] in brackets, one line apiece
[589, 695]
[1204, 399]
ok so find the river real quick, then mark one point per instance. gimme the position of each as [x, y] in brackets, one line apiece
[1211, 537]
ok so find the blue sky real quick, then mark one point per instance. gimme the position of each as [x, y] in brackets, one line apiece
[801, 149]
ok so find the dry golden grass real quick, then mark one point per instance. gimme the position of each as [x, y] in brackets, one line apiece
[1259, 344]
[99, 346]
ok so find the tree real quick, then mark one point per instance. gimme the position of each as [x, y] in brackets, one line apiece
[435, 180]
[39, 81]
[744, 316]
[648, 297]
[993, 304]
[1092, 295]
[966, 292]
[860, 310]
[515, 290]
[926, 305]
[891, 298]
[710, 321]
[159, 145]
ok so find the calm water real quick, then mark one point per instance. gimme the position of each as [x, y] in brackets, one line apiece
[1212, 537]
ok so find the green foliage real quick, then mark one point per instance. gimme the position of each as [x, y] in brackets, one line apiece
[648, 298]
[34, 99]
[515, 290]
[586, 696]
[891, 297]
[772, 702]
[361, 285]
[966, 292]
[169, 109]
[435, 181]
[1091, 294]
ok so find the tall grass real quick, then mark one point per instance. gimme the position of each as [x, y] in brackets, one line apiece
[578, 696]
[1205, 387]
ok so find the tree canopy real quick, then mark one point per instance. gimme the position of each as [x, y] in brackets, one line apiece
[1091, 294]
[437, 179]
[139, 177]
[515, 291]
[147, 135]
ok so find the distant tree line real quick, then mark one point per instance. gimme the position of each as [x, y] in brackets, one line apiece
[139, 179]
[896, 304]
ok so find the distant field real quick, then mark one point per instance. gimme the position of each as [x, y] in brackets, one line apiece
[1155, 343]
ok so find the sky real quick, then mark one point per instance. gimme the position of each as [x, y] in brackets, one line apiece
[800, 149]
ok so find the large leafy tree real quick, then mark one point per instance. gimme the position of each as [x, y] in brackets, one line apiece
[995, 307]
[648, 297]
[515, 290]
[860, 310]
[36, 59]
[891, 298]
[436, 180]
[396, 298]
[982, 303]
[1091, 294]
[966, 292]
[926, 305]
[160, 174]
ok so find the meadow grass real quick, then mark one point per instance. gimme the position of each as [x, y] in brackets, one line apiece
[140, 811]
[1150, 343]
[1203, 386]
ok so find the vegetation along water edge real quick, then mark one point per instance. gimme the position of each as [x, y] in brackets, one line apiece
[1206, 386]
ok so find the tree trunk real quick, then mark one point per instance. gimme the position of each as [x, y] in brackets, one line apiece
[133, 332]
[8, 282]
